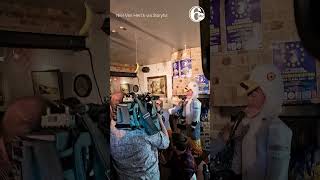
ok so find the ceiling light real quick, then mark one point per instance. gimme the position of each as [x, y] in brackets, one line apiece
[114, 31]
[123, 28]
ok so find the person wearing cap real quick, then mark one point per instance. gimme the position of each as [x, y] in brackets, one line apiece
[191, 116]
[262, 140]
[134, 153]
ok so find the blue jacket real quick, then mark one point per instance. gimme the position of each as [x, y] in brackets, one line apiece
[192, 116]
[273, 145]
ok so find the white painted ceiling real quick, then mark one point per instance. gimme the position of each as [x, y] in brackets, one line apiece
[156, 38]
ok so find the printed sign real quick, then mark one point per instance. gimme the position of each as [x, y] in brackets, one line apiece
[203, 83]
[215, 36]
[243, 22]
[176, 69]
[298, 69]
[186, 68]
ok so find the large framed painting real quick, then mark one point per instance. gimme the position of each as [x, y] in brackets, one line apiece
[48, 84]
[157, 85]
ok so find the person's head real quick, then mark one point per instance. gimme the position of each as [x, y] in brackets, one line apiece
[265, 91]
[192, 90]
[116, 98]
[256, 100]
[179, 142]
[23, 116]
[159, 104]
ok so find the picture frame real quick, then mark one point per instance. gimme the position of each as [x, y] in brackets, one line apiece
[48, 84]
[157, 85]
[124, 88]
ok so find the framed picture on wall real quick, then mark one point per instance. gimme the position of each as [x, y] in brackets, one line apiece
[48, 84]
[157, 85]
[124, 88]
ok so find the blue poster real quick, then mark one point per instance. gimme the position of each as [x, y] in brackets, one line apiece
[203, 83]
[176, 69]
[215, 36]
[186, 68]
[298, 69]
[243, 22]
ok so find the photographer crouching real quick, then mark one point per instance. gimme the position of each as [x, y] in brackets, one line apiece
[133, 150]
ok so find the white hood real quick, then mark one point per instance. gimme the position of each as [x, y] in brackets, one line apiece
[269, 79]
[195, 89]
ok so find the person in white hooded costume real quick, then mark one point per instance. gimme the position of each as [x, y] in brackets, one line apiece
[262, 140]
[191, 115]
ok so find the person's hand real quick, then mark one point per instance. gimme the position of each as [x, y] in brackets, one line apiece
[181, 103]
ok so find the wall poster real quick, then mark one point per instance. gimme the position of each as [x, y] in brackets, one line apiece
[203, 83]
[186, 68]
[176, 69]
[215, 36]
[243, 24]
[298, 70]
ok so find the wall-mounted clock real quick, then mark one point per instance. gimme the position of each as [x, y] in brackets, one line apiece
[135, 88]
[82, 85]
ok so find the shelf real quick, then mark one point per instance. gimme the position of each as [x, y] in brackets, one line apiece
[303, 110]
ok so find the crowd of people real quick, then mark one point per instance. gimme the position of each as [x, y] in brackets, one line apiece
[137, 155]
[262, 142]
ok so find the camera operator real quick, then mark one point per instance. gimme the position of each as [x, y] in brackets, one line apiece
[135, 154]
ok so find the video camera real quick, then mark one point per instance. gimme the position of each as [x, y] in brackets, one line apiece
[138, 110]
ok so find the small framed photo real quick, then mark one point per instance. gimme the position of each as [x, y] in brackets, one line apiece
[48, 84]
[124, 88]
[157, 85]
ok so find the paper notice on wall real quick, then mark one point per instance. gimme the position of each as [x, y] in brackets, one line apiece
[203, 83]
[186, 68]
[243, 23]
[215, 36]
[176, 69]
[298, 70]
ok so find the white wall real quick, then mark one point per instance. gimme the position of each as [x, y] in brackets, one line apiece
[70, 63]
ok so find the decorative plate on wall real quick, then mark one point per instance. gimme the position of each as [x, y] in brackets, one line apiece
[82, 85]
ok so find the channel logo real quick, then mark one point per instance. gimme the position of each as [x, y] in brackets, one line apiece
[196, 14]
